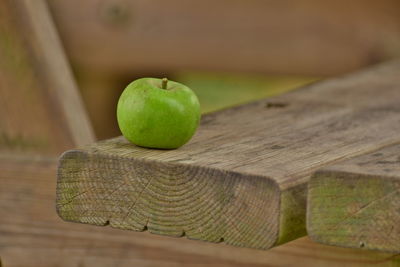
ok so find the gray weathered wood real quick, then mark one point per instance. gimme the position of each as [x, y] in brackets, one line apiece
[356, 203]
[31, 235]
[243, 177]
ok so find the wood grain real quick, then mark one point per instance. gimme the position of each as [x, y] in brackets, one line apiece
[307, 37]
[40, 109]
[242, 179]
[31, 235]
[356, 203]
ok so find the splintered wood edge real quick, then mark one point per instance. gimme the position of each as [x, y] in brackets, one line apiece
[171, 199]
[354, 210]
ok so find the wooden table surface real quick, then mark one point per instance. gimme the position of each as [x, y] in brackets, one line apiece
[242, 180]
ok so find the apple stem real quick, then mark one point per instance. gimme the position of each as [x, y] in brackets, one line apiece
[164, 83]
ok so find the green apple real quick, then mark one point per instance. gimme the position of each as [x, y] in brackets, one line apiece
[158, 113]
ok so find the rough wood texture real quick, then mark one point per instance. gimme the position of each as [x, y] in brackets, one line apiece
[40, 109]
[242, 179]
[356, 203]
[32, 235]
[308, 37]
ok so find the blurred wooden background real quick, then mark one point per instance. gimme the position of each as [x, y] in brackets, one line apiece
[229, 52]
[307, 37]
[111, 42]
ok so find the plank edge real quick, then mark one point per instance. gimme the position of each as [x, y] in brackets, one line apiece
[76, 153]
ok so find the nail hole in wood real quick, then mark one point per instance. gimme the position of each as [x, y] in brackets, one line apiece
[276, 105]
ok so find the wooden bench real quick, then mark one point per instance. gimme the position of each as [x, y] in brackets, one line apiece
[31, 235]
[356, 203]
[242, 180]
[37, 86]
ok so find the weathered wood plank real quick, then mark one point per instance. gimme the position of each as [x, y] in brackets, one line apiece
[306, 37]
[243, 177]
[40, 109]
[101, 92]
[32, 235]
[356, 203]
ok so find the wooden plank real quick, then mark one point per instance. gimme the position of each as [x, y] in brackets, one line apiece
[307, 37]
[101, 93]
[31, 235]
[40, 108]
[356, 203]
[242, 179]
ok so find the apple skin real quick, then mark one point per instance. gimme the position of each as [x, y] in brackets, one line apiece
[153, 117]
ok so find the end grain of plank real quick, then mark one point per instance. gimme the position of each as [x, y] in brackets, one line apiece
[356, 203]
[33, 235]
[243, 178]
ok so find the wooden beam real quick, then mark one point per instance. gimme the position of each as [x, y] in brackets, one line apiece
[306, 37]
[40, 108]
[32, 235]
[242, 179]
[356, 203]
